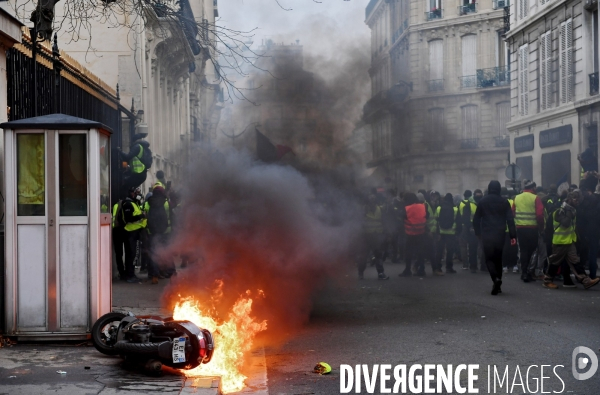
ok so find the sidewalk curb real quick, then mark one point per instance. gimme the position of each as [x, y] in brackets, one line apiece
[201, 386]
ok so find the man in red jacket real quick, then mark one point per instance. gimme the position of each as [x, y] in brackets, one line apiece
[528, 211]
[415, 225]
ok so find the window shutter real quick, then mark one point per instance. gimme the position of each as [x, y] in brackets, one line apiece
[566, 61]
[469, 120]
[525, 8]
[570, 63]
[469, 55]
[546, 70]
[502, 117]
[436, 60]
[524, 79]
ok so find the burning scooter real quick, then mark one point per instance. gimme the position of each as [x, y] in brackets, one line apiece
[152, 342]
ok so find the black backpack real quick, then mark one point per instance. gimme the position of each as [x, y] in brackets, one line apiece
[446, 217]
[466, 214]
[158, 221]
[146, 158]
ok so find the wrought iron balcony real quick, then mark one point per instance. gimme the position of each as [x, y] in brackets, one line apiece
[436, 85]
[467, 9]
[498, 4]
[495, 76]
[469, 143]
[468, 81]
[434, 14]
[594, 84]
[502, 141]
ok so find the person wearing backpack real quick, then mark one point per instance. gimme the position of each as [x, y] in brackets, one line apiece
[492, 216]
[468, 241]
[449, 225]
[139, 160]
[158, 228]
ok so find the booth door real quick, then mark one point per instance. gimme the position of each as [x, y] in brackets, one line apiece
[52, 232]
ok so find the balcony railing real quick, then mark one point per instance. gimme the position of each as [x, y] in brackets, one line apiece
[400, 30]
[495, 76]
[469, 143]
[498, 4]
[594, 84]
[467, 9]
[434, 14]
[436, 85]
[468, 81]
[502, 141]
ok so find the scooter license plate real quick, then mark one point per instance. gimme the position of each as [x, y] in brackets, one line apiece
[179, 350]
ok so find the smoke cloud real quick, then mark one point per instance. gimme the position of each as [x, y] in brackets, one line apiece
[262, 227]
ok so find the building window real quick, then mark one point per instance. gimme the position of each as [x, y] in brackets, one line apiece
[382, 139]
[593, 77]
[502, 118]
[524, 79]
[469, 61]
[566, 61]
[436, 65]
[470, 122]
[523, 8]
[436, 134]
[545, 70]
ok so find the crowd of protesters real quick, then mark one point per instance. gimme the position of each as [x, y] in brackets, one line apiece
[545, 235]
[141, 229]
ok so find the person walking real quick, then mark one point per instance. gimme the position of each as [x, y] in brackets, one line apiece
[491, 218]
[563, 244]
[415, 226]
[159, 228]
[135, 222]
[372, 238]
[468, 246]
[432, 235]
[528, 212]
[449, 226]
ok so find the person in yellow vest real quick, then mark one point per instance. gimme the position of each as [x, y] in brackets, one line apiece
[135, 222]
[468, 241]
[528, 211]
[432, 203]
[139, 160]
[449, 225]
[563, 244]
[119, 238]
[373, 238]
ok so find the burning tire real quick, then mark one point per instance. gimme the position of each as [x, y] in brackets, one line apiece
[104, 333]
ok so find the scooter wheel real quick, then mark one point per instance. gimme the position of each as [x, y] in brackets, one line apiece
[104, 333]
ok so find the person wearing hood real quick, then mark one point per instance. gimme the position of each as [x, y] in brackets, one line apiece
[449, 225]
[139, 159]
[528, 211]
[468, 241]
[491, 218]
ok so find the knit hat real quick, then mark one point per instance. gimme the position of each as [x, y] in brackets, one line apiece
[528, 184]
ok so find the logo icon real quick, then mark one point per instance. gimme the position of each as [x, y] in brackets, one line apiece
[580, 363]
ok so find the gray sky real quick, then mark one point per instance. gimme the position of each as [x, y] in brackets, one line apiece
[325, 26]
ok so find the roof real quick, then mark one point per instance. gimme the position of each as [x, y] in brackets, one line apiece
[54, 121]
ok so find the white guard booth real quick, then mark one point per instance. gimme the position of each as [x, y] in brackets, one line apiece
[58, 226]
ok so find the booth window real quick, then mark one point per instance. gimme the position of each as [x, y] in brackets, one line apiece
[31, 175]
[72, 174]
[104, 174]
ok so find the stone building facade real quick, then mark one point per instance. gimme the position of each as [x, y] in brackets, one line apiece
[162, 70]
[555, 104]
[440, 93]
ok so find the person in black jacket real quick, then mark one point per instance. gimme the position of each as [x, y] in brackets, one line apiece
[137, 171]
[492, 217]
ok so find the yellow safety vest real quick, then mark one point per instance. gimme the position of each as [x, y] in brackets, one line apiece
[115, 211]
[433, 216]
[373, 223]
[525, 209]
[563, 235]
[448, 231]
[462, 205]
[136, 163]
[167, 210]
[139, 224]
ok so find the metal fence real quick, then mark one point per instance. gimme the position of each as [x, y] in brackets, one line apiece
[44, 80]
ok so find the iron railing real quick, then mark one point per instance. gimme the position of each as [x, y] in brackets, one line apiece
[436, 85]
[400, 30]
[502, 141]
[498, 4]
[468, 81]
[467, 9]
[594, 84]
[469, 143]
[434, 14]
[494, 76]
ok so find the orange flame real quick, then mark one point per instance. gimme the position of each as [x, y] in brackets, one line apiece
[233, 337]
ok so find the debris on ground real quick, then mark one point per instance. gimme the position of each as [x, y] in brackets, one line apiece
[322, 368]
[61, 372]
